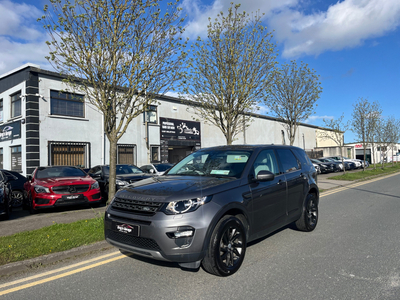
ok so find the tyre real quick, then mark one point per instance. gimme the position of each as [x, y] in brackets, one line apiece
[32, 211]
[227, 247]
[309, 217]
[17, 198]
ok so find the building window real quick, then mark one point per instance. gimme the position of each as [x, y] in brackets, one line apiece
[69, 154]
[126, 154]
[150, 115]
[155, 154]
[1, 110]
[16, 159]
[16, 105]
[67, 104]
[1, 158]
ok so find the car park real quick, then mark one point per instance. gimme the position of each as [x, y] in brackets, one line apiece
[333, 165]
[125, 174]
[339, 158]
[323, 166]
[157, 169]
[5, 196]
[207, 207]
[58, 186]
[17, 182]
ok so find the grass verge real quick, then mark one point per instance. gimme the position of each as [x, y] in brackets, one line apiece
[368, 173]
[47, 240]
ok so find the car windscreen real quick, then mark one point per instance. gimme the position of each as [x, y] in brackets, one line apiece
[59, 172]
[124, 169]
[216, 163]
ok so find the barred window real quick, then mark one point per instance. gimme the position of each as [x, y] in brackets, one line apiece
[69, 154]
[67, 104]
[126, 154]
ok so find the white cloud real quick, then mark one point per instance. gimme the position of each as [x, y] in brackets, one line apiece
[345, 24]
[199, 13]
[22, 39]
[313, 119]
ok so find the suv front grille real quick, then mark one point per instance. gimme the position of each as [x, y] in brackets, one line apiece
[147, 208]
[70, 189]
[134, 241]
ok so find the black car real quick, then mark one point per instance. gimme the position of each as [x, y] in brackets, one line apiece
[207, 207]
[334, 166]
[5, 195]
[17, 182]
[323, 166]
[126, 174]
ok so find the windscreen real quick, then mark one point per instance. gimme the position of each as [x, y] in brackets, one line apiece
[59, 172]
[217, 163]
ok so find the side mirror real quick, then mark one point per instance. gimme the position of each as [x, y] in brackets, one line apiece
[29, 177]
[265, 176]
[151, 171]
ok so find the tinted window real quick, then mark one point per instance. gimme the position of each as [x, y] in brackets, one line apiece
[302, 156]
[124, 169]
[59, 172]
[288, 160]
[266, 161]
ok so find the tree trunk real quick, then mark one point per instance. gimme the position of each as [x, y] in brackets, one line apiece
[112, 170]
[341, 154]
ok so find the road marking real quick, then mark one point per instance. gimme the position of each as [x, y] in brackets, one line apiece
[57, 270]
[18, 288]
[354, 185]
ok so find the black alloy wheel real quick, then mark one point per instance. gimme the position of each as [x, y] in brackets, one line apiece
[17, 199]
[309, 217]
[227, 247]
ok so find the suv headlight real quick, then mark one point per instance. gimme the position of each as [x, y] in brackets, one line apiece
[94, 186]
[121, 182]
[184, 206]
[41, 189]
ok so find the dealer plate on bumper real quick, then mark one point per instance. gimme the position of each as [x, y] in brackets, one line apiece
[132, 230]
[75, 197]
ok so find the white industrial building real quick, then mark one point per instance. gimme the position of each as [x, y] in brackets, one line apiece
[40, 125]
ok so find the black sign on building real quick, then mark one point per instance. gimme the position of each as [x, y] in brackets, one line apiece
[178, 137]
[10, 131]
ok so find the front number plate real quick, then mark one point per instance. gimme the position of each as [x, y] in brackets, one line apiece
[127, 229]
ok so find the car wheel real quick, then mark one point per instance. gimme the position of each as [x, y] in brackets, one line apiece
[32, 211]
[17, 198]
[227, 247]
[309, 217]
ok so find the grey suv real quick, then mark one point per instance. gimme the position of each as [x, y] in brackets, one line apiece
[207, 207]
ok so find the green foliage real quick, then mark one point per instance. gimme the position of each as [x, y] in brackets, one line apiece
[293, 95]
[47, 240]
[368, 173]
[230, 71]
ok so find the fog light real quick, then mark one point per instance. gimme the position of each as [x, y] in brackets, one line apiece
[182, 232]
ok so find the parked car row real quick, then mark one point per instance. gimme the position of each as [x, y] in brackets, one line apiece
[335, 164]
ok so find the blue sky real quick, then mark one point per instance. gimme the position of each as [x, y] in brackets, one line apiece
[354, 45]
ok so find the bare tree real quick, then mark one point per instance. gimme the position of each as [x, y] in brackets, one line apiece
[120, 53]
[393, 134]
[372, 126]
[293, 95]
[364, 114]
[338, 128]
[230, 71]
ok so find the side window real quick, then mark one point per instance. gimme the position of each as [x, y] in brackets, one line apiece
[303, 157]
[288, 160]
[266, 161]
[145, 169]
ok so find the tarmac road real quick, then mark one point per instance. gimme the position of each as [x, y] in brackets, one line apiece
[354, 253]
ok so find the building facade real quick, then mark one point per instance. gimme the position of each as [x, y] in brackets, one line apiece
[41, 124]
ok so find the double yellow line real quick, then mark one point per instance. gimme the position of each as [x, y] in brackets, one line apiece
[31, 284]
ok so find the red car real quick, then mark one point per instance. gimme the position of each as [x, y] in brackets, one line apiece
[60, 186]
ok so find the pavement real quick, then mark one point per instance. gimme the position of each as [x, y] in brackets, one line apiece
[69, 215]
